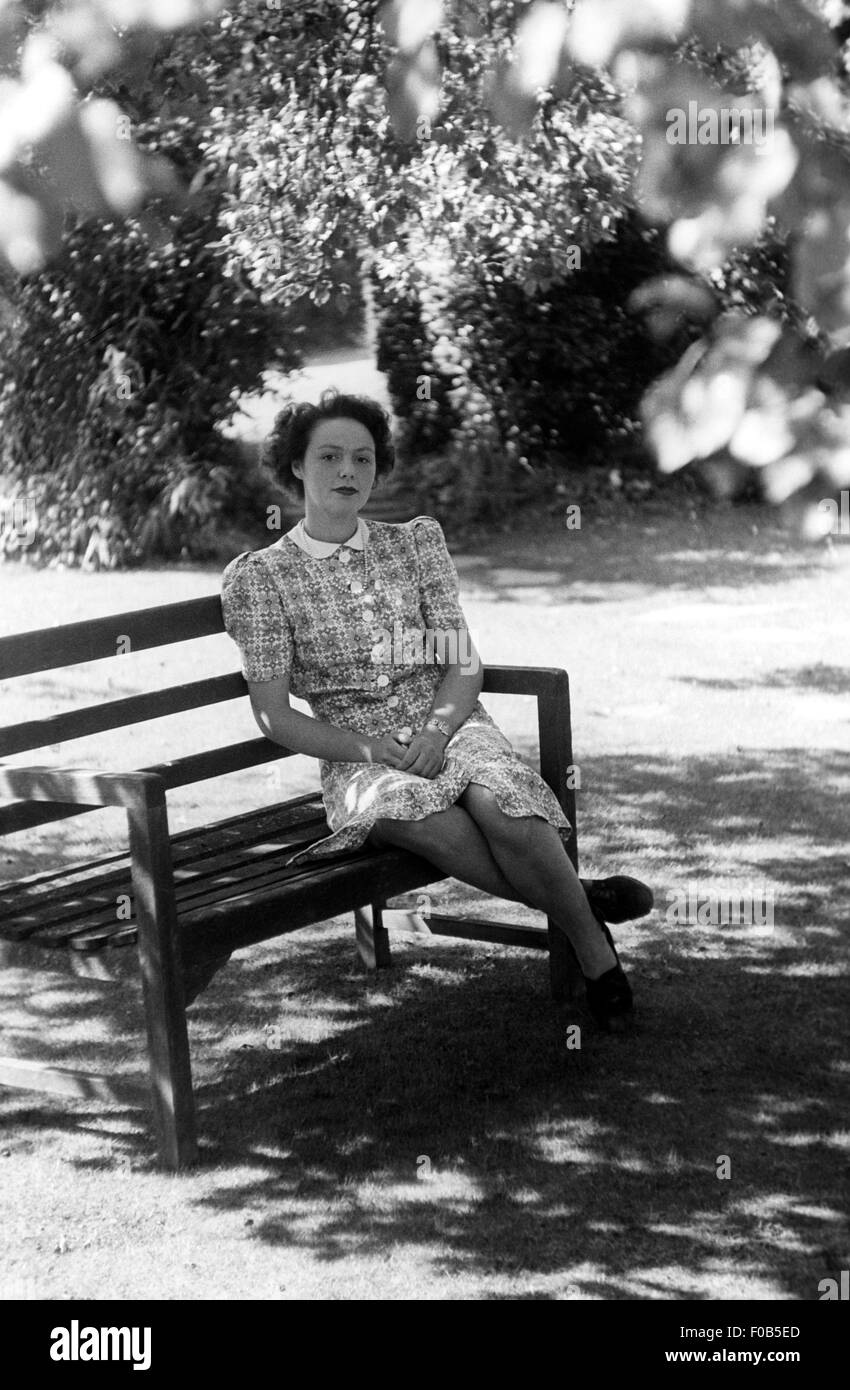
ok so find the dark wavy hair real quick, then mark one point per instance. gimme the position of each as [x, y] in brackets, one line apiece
[293, 427]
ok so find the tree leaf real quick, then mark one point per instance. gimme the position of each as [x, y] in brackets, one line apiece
[599, 29]
[684, 299]
[821, 269]
[413, 91]
[409, 23]
[30, 228]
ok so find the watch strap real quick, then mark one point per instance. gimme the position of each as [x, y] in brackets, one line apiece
[439, 724]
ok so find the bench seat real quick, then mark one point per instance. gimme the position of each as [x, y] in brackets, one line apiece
[215, 868]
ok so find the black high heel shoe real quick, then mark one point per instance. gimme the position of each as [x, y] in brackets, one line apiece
[619, 898]
[609, 997]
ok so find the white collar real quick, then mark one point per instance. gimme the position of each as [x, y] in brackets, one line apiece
[320, 550]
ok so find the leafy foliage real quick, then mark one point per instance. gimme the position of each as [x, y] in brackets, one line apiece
[66, 151]
[527, 379]
[683, 65]
[460, 152]
[119, 363]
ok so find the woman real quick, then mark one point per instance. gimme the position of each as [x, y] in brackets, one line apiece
[346, 615]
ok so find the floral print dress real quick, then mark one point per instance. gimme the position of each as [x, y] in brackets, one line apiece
[324, 621]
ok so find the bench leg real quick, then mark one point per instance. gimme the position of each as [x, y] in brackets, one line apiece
[373, 939]
[556, 760]
[162, 987]
[565, 974]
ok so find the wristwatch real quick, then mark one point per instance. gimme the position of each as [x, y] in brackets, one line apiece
[439, 724]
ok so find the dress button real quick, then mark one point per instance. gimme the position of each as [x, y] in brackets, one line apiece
[383, 679]
[344, 557]
[392, 701]
[356, 586]
[368, 616]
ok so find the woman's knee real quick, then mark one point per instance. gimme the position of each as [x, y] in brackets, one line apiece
[480, 799]
[483, 806]
[496, 824]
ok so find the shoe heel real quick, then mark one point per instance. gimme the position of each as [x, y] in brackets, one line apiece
[609, 997]
[610, 1001]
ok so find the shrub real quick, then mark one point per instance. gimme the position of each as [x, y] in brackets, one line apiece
[524, 379]
[119, 365]
[542, 382]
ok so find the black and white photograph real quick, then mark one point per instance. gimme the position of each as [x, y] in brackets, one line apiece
[424, 669]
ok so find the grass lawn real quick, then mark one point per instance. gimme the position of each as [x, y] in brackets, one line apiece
[430, 1135]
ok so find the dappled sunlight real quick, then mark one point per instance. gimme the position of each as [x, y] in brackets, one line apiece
[429, 1130]
[318, 1144]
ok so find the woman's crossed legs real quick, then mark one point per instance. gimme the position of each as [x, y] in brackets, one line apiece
[521, 858]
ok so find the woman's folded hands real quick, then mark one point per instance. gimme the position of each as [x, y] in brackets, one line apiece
[420, 754]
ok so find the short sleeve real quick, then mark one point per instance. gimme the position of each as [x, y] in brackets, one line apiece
[254, 617]
[439, 585]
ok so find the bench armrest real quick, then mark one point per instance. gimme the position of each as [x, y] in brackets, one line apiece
[551, 688]
[83, 786]
[541, 681]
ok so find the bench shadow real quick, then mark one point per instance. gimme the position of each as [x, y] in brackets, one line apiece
[439, 1109]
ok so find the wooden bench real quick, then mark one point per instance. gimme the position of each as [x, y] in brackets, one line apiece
[197, 896]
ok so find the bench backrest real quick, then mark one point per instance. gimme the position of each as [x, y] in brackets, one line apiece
[96, 639]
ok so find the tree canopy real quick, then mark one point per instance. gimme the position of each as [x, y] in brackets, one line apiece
[465, 143]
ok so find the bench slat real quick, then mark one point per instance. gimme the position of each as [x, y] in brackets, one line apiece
[192, 890]
[180, 772]
[208, 863]
[26, 815]
[299, 809]
[235, 880]
[500, 933]
[93, 639]
[120, 714]
[59, 1081]
[311, 893]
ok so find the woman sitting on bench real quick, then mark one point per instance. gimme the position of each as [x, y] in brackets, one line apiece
[349, 616]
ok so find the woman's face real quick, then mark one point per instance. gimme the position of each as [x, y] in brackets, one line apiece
[338, 468]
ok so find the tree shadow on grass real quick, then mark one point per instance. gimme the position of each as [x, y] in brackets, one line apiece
[589, 1172]
[830, 680]
[650, 548]
[599, 1165]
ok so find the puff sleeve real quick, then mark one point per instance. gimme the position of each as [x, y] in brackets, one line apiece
[439, 585]
[254, 617]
